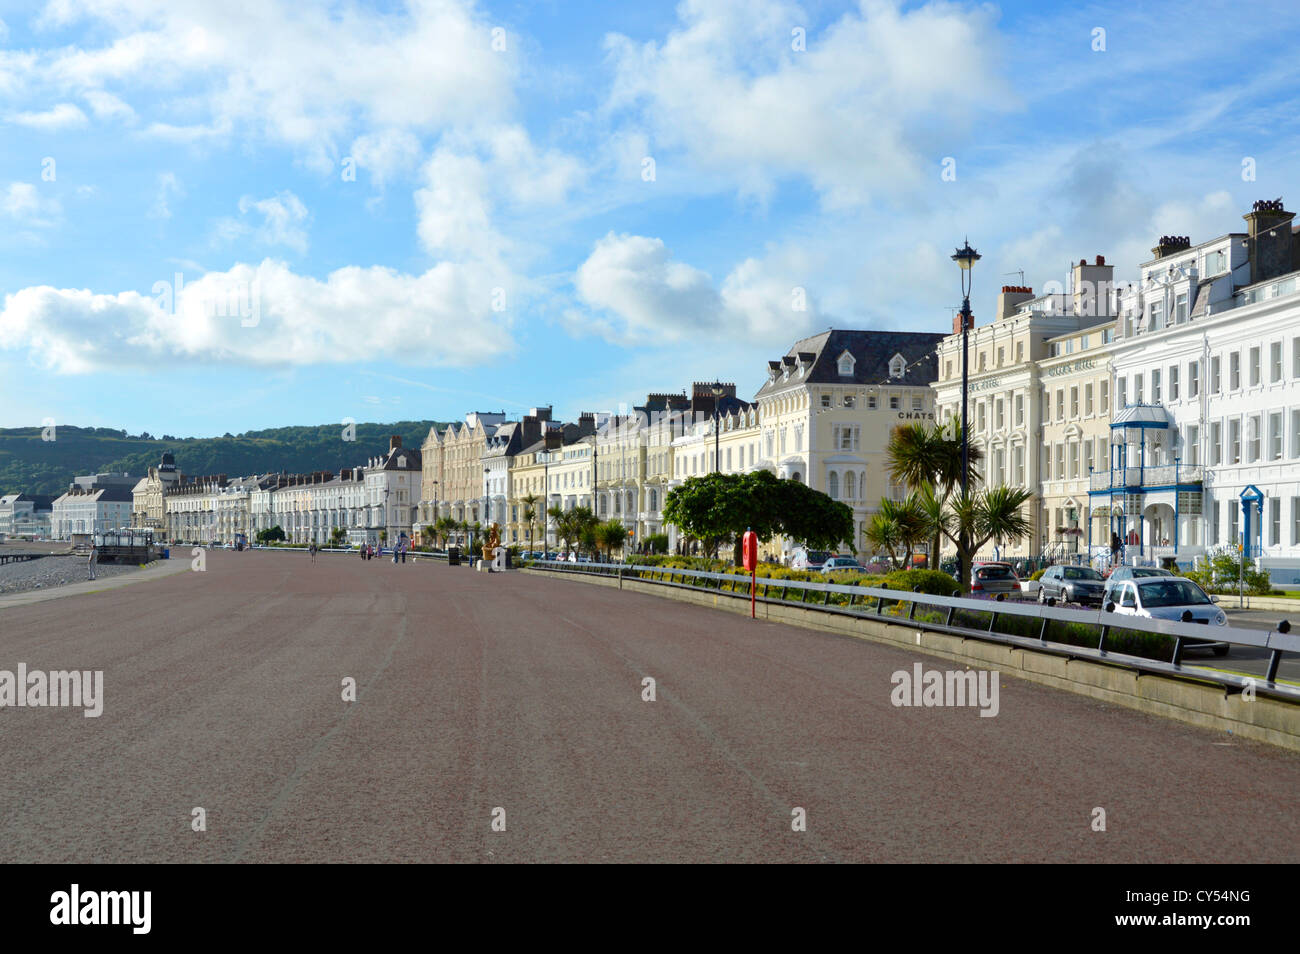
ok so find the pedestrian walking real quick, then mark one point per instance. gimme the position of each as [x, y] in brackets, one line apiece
[1114, 549]
[93, 561]
[312, 550]
[404, 549]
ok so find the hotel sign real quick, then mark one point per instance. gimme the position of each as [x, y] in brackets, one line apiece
[1084, 364]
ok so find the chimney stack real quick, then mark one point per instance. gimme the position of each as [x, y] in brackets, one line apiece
[394, 442]
[1169, 244]
[1094, 288]
[1009, 301]
[1269, 245]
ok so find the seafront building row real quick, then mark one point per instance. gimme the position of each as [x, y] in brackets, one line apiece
[1146, 410]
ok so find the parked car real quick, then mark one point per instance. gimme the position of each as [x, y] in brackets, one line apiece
[1136, 572]
[804, 559]
[1072, 584]
[1167, 597]
[838, 563]
[994, 578]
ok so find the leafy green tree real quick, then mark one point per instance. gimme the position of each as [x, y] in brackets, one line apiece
[275, 534]
[336, 537]
[716, 508]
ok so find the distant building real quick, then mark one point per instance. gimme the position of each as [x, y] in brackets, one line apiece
[147, 509]
[83, 510]
[25, 515]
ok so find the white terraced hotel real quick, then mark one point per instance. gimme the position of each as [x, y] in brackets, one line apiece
[1206, 370]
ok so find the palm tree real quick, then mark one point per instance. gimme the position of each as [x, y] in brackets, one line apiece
[909, 520]
[611, 534]
[882, 535]
[530, 515]
[919, 456]
[560, 521]
[971, 520]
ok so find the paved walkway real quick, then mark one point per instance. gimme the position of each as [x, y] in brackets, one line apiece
[478, 693]
[160, 569]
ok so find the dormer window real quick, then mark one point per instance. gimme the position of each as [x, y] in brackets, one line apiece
[846, 364]
[897, 366]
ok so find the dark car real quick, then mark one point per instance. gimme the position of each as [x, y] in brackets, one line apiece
[1071, 584]
[994, 578]
[1136, 573]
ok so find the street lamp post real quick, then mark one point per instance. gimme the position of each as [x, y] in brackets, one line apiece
[965, 257]
[716, 388]
[435, 512]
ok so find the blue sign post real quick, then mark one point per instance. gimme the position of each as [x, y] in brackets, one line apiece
[1251, 496]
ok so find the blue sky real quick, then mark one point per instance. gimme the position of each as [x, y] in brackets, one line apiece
[446, 206]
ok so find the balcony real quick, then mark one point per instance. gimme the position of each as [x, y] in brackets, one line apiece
[1138, 478]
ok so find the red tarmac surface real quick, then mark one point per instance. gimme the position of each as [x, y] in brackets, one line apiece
[475, 691]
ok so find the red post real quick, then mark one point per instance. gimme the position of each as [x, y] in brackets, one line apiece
[749, 554]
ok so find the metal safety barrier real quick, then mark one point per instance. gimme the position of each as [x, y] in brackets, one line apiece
[887, 605]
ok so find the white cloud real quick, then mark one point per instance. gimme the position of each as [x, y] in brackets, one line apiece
[386, 153]
[282, 219]
[23, 202]
[355, 315]
[454, 208]
[283, 216]
[107, 106]
[194, 70]
[62, 116]
[168, 185]
[869, 108]
[641, 296]
[473, 173]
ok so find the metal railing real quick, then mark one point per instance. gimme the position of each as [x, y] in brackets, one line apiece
[887, 606]
[1152, 475]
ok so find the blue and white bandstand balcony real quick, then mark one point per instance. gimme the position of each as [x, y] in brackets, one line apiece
[1150, 499]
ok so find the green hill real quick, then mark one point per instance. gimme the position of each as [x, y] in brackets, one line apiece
[32, 465]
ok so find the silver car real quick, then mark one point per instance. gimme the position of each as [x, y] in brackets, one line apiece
[1167, 597]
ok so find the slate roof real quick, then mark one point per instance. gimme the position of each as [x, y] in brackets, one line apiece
[871, 351]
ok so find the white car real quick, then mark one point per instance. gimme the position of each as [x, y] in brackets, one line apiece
[805, 559]
[1167, 597]
[837, 563]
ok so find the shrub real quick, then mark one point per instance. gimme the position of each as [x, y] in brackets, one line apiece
[934, 582]
[1038, 574]
[1221, 573]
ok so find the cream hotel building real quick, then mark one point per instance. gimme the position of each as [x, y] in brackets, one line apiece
[1040, 402]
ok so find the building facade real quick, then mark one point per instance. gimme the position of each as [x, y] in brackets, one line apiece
[1206, 369]
[1012, 411]
[828, 407]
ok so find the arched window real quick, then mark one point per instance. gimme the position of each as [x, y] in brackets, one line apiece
[850, 486]
[654, 500]
[833, 486]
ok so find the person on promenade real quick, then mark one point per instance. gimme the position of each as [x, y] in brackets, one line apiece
[312, 550]
[93, 561]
